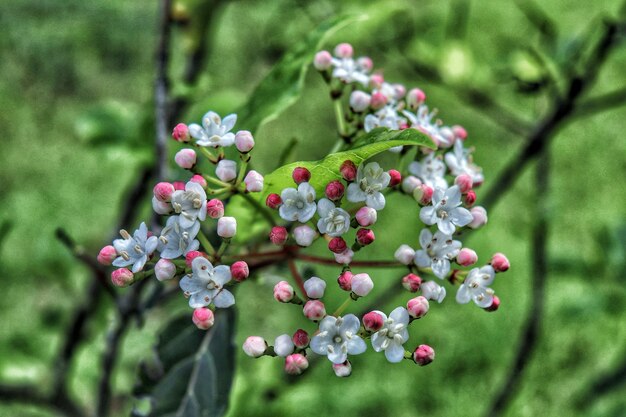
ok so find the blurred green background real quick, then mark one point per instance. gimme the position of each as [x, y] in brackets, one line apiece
[76, 112]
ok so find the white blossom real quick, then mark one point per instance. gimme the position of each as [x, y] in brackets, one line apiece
[436, 252]
[445, 210]
[349, 71]
[370, 180]
[338, 338]
[190, 204]
[334, 221]
[176, 240]
[392, 335]
[134, 250]
[433, 291]
[214, 131]
[386, 117]
[431, 170]
[422, 120]
[459, 162]
[298, 205]
[206, 284]
[475, 287]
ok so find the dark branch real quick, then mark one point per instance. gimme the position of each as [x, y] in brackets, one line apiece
[601, 103]
[28, 395]
[604, 384]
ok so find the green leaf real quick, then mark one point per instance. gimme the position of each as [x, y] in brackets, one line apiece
[282, 86]
[194, 369]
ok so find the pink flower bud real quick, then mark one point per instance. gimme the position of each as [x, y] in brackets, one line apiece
[122, 277]
[345, 257]
[337, 245]
[254, 182]
[345, 280]
[181, 133]
[283, 345]
[500, 263]
[239, 271]
[226, 170]
[377, 80]
[459, 132]
[163, 191]
[199, 179]
[348, 170]
[365, 63]
[296, 364]
[344, 50]
[314, 287]
[398, 91]
[343, 370]
[203, 318]
[410, 183]
[373, 321]
[359, 101]
[470, 198]
[164, 269]
[107, 255]
[273, 201]
[405, 255]
[300, 175]
[185, 158]
[362, 284]
[366, 216]
[300, 339]
[214, 208]
[179, 186]
[283, 292]
[417, 307]
[464, 182]
[244, 141]
[495, 304]
[334, 190]
[161, 207]
[479, 217]
[304, 235]
[365, 236]
[423, 194]
[322, 60]
[378, 101]
[278, 235]
[254, 346]
[314, 310]
[423, 355]
[415, 97]
[396, 177]
[466, 257]
[227, 227]
[193, 254]
[411, 282]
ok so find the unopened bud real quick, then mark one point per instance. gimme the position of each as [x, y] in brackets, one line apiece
[373, 321]
[244, 141]
[191, 255]
[377, 80]
[344, 50]
[466, 257]
[366, 63]
[470, 198]
[396, 177]
[314, 310]
[185, 158]
[278, 235]
[411, 282]
[283, 292]
[304, 235]
[226, 170]
[345, 280]
[423, 194]
[199, 179]
[362, 284]
[348, 170]
[227, 227]
[239, 271]
[423, 355]
[273, 201]
[410, 183]
[415, 97]
[179, 186]
[164, 269]
[283, 345]
[464, 182]
[417, 307]
[366, 216]
[161, 207]
[254, 182]
[122, 277]
[163, 191]
[181, 133]
[365, 237]
[459, 132]
[345, 257]
[107, 255]
[479, 217]
[495, 304]
[254, 346]
[359, 101]
[296, 364]
[214, 208]
[334, 190]
[300, 175]
[322, 60]
[343, 370]
[500, 263]
[314, 287]
[337, 245]
[301, 339]
[203, 318]
[405, 255]
[378, 101]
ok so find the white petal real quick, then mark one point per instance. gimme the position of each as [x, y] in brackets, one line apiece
[198, 299]
[453, 196]
[463, 295]
[350, 323]
[375, 201]
[377, 342]
[151, 244]
[425, 238]
[422, 259]
[319, 344]
[338, 356]
[190, 285]
[428, 215]
[461, 216]
[400, 316]
[328, 324]
[446, 226]
[356, 346]
[229, 121]
[224, 299]
[438, 194]
[221, 275]
[324, 206]
[355, 194]
[441, 267]
[307, 213]
[198, 263]
[394, 353]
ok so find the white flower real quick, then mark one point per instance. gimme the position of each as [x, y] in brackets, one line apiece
[445, 210]
[349, 71]
[190, 204]
[386, 117]
[134, 250]
[206, 285]
[422, 121]
[370, 180]
[460, 162]
[338, 338]
[214, 131]
[433, 291]
[314, 287]
[298, 205]
[475, 287]
[436, 252]
[430, 170]
[392, 335]
[176, 240]
[334, 221]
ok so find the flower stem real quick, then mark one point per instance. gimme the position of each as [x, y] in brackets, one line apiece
[341, 120]
[216, 181]
[242, 169]
[297, 277]
[222, 249]
[205, 243]
[343, 306]
[204, 151]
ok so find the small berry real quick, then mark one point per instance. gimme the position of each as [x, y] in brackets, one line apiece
[362, 284]
[185, 158]
[164, 269]
[226, 170]
[163, 191]
[244, 141]
[254, 346]
[296, 364]
[215, 208]
[283, 292]
[365, 237]
[345, 280]
[344, 50]
[396, 177]
[322, 60]
[314, 287]
[314, 310]
[304, 235]
[466, 257]
[301, 339]
[227, 227]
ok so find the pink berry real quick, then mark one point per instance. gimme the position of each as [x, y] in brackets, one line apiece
[226, 227]
[226, 170]
[214, 208]
[301, 339]
[107, 255]
[304, 235]
[365, 237]
[185, 158]
[348, 170]
[365, 63]
[417, 307]
[295, 364]
[239, 271]
[405, 255]
[359, 101]
[345, 257]
[314, 310]
[181, 133]
[122, 277]
[410, 183]
[334, 190]
[337, 245]
[322, 60]
[163, 191]
[373, 321]
[345, 281]
[203, 318]
[283, 292]
[300, 175]
[423, 355]
[278, 235]
[396, 177]
[479, 217]
[377, 80]
[500, 263]
[466, 257]
[273, 201]
[411, 282]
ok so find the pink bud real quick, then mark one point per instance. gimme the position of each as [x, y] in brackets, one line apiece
[278, 235]
[283, 345]
[373, 321]
[181, 133]
[470, 198]
[396, 177]
[314, 287]
[254, 182]
[366, 216]
[179, 186]
[348, 170]
[344, 50]
[411, 282]
[295, 364]
[337, 245]
[161, 207]
[244, 141]
[185, 158]
[359, 101]
[273, 201]
[377, 80]
[254, 346]
[163, 191]
[283, 292]
[378, 101]
[423, 194]
[343, 370]
[405, 255]
[423, 355]
[334, 190]
[164, 269]
[466, 257]
[495, 304]
[459, 132]
[193, 254]
[365, 63]
[362, 284]
[500, 263]
[398, 91]
[410, 183]
[122, 277]
[365, 237]
[322, 60]
[203, 318]
[227, 227]
[300, 339]
[107, 255]
[479, 215]
[300, 175]
[199, 179]
[214, 208]
[239, 271]
[345, 281]
[304, 235]
[314, 310]
[345, 257]
[464, 182]
[417, 307]
[415, 97]
[226, 170]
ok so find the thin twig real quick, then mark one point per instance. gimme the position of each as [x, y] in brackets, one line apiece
[601, 103]
[29, 395]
